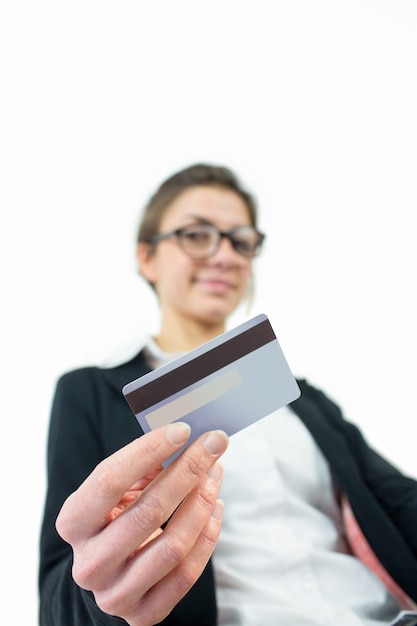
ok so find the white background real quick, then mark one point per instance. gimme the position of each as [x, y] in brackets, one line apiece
[313, 103]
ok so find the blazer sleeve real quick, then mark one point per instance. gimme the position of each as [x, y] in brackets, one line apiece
[74, 449]
[396, 492]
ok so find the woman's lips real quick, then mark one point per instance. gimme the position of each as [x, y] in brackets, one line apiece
[215, 285]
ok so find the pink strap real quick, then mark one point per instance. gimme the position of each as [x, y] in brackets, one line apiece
[361, 549]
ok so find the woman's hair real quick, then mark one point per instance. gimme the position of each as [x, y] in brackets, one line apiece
[194, 176]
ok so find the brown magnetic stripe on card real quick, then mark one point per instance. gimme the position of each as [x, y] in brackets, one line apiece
[201, 366]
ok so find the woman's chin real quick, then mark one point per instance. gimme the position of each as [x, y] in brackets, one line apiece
[217, 313]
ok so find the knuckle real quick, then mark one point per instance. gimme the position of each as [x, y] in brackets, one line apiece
[207, 497]
[63, 528]
[64, 523]
[109, 602]
[90, 568]
[185, 577]
[193, 464]
[84, 572]
[208, 538]
[174, 551]
[107, 478]
[153, 450]
[148, 513]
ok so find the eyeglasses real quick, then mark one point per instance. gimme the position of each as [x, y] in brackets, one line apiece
[201, 241]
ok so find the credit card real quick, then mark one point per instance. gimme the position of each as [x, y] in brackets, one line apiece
[227, 383]
[405, 618]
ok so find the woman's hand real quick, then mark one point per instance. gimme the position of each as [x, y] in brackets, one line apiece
[135, 569]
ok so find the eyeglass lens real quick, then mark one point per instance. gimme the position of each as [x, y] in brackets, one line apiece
[202, 240]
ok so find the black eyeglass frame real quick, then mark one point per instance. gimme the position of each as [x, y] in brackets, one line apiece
[228, 234]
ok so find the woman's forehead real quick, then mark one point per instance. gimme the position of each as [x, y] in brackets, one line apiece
[217, 205]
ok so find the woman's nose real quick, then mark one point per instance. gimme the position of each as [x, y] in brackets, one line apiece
[226, 253]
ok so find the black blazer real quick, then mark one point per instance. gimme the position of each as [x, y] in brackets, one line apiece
[90, 419]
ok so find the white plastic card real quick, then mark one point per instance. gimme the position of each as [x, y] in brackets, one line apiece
[227, 383]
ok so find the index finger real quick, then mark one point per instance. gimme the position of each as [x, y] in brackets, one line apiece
[103, 489]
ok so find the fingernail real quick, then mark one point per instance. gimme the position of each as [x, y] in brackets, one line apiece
[215, 472]
[218, 509]
[178, 432]
[216, 442]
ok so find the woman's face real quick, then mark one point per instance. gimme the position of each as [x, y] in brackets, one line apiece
[208, 290]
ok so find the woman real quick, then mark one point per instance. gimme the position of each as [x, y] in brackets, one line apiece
[302, 495]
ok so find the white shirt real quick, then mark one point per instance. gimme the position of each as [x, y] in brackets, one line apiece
[282, 558]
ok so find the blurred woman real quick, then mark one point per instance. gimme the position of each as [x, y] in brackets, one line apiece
[317, 527]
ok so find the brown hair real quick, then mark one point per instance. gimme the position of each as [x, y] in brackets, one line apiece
[196, 175]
